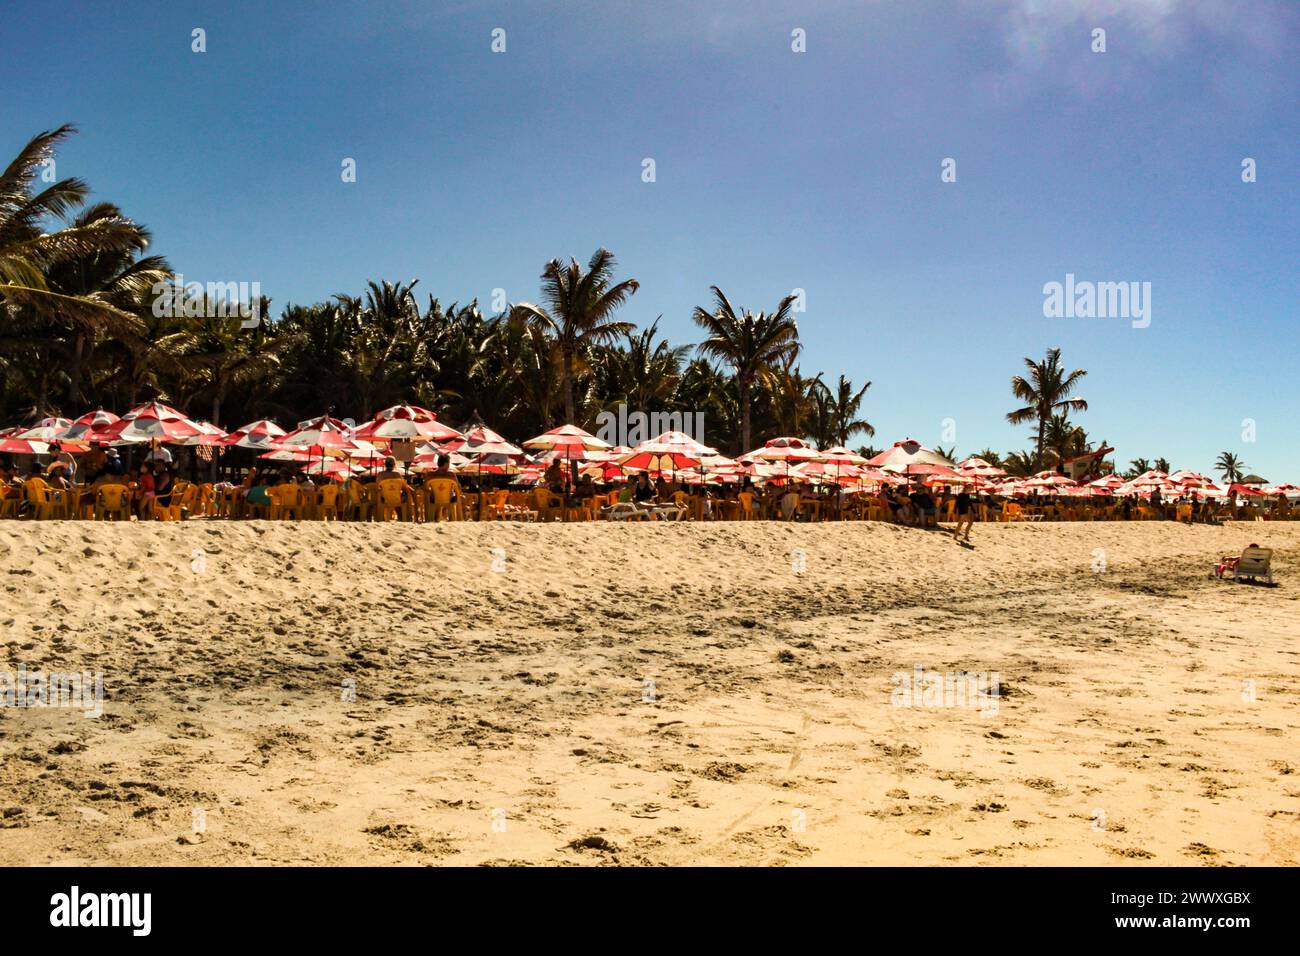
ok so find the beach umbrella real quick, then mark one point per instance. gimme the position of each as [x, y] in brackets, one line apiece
[318, 437]
[24, 446]
[980, 468]
[152, 421]
[405, 423]
[909, 451]
[209, 434]
[1253, 480]
[46, 430]
[574, 442]
[90, 426]
[262, 433]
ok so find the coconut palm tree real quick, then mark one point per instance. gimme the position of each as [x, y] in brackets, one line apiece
[116, 277]
[1230, 466]
[1138, 466]
[751, 343]
[845, 405]
[989, 455]
[1021, 464]
[578, 312]
[28, 252]
[1045, 392]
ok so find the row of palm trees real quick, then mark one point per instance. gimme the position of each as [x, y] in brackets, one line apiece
[79, 328]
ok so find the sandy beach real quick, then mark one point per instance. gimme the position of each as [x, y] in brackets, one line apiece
[661, 694]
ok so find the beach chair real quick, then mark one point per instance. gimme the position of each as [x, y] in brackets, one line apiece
[392, 500]
[286, 501]
[547, 505]
[113, 502]
[327, 509]
[9, 499]
[43, 499]
[747, 510]
[1254, 563]
[442, 500]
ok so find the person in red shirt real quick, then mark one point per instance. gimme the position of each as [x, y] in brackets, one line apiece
[145, 491]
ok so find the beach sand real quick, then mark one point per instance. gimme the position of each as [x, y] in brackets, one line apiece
[649, 695]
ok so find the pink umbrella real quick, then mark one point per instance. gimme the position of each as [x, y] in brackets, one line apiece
[909, 451]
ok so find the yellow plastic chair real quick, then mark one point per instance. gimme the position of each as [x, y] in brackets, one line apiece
[113, 502]
[393, 502]
[43, 499]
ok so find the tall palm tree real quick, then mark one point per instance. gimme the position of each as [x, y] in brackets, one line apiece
[27, 251]
[1230, 466]
[845, 405]
[578, 312]
[752, 343]
[1138, 466]
[114, 276]
[644, 371]
[1021, 464]
[1046, 391]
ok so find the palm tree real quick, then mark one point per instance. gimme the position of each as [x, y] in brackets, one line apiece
[1021, 464]
[845, 404]
[1138, 466]
[116, 277]
[949, 453]
[1162, 464]
[1046, 391]
[644, 372]
[1230, 466]
[752, 343]
[27, 252]
[578, 312]
[989, 455]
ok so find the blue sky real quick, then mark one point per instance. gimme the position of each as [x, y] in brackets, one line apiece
[775, 170]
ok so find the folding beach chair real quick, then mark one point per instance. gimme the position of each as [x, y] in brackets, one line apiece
[1254, 563]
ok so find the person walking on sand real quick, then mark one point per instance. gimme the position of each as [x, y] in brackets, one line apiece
[965, 515]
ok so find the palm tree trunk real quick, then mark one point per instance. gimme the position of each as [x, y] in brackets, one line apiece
[744, 416]
[74, 371]
[566, 361]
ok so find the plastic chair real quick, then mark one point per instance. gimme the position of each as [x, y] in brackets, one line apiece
[113, 502]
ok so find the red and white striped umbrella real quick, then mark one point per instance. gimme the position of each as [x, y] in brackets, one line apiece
[46, 430]
[90, 427]
[480, 440]
[24, 446]
[262, 433]
[980, 468]
[909, 451]
[152, 421]
[209, 434]
[574, 442]
[405, 423]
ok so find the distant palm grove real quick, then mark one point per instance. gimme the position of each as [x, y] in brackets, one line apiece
[80, 330]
